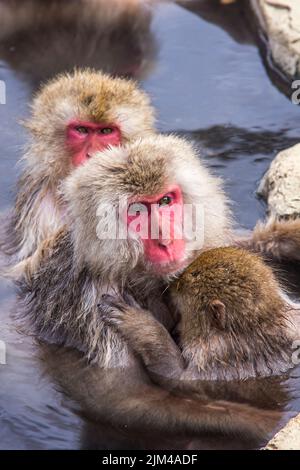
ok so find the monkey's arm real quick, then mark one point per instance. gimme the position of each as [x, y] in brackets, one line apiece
[161, 312]
[146, 336]
[126, 399]
[26, 268]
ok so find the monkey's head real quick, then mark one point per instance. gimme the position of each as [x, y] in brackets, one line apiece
[76, 115]
[231, 309]
[132, 208]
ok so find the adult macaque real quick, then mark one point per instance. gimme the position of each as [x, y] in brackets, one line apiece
[114, 37]
[89, 386]
[86, 267]
[234, 322]
[72, 117]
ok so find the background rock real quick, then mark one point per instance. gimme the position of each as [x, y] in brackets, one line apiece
[280, 187]
[279, 21]
[287, 438]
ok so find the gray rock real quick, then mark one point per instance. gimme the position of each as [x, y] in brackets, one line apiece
[280, 186]
[287, 438]
[280, 23]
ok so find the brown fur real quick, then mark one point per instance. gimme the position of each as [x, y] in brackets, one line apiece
[150, 164]
[84, 95]
[68, 277]
[234, 322]
[279, 239]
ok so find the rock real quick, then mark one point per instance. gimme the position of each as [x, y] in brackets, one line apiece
[287, 438]
[280, 186]
[279, 21]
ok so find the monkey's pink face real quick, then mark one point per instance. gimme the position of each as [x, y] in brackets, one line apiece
[158, 221]
[85, 138]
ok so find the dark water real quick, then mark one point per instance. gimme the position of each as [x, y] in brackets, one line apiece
[207, 80]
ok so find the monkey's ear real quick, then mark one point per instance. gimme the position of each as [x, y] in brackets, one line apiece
[218, 311]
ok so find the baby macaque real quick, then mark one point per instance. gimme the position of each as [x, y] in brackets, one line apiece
[235, 322]
[72, 117]
[82, 266]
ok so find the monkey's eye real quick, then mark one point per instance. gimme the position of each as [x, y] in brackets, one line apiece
[82, 130]
[106, 130]
[165, 201]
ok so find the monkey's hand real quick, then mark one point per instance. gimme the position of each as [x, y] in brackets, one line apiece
[113, 308]
[146, 336]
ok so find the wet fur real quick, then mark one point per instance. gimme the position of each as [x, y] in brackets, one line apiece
[234, 323]
[70, 275]
[38, 211]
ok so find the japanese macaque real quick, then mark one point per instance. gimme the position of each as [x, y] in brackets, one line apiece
[277, 239]
[153, 175]
[235, 322]
[114, 37]
[73, 116]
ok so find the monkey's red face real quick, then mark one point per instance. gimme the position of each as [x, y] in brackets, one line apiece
[85, 138]
[158, 220]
